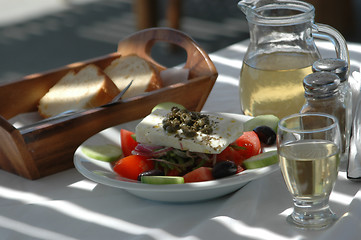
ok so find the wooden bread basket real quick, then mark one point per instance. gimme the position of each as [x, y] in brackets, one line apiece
[37, 151]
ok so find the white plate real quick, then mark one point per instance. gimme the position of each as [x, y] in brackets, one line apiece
[101, 172]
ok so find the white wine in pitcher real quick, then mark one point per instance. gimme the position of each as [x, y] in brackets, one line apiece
[272, 83]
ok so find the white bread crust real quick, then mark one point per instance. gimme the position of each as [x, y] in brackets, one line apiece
[132, 67]
[87, 88]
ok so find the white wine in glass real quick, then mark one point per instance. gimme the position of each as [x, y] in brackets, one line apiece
[309, 154]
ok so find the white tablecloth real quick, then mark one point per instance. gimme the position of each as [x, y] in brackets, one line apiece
[67, 206]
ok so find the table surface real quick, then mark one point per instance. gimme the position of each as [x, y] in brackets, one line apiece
[67, 206]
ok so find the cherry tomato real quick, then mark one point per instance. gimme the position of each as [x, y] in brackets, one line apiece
[133, 165]
[199, 175]
[127, 141]
[244, 147]
[250, 145]
[228, 154]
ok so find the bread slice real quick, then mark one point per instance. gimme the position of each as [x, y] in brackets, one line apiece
[87, 88]
[126, 68]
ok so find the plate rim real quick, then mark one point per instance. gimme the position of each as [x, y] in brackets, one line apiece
[133, 185]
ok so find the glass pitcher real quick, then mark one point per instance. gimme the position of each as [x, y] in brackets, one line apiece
[280, 54]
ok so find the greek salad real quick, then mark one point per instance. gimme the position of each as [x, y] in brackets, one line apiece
[173, 146]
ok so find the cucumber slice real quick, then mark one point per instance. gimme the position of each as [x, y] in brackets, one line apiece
[261, 160]
[262, 120]
[162, 179]
[106, 153]
[167, 106]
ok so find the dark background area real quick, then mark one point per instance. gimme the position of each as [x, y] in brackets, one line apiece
[59, 32]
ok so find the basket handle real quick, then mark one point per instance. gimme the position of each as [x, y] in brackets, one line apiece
[198, 61]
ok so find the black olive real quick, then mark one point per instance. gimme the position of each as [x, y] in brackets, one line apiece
[224, 169]
[265, 134]
[153, 172]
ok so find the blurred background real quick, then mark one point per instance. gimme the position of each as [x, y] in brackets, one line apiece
[39, 35]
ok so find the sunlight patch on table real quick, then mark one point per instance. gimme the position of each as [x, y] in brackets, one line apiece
[31, 231]
[241, 229]
[83, 214]
[354, 47]
[86, 215]
[241, 48]
[228, 80]
[21, 196]
[83, 185]
[327, 46]
[356, 64]
[341, 198]
[227, 61]
[286, 212]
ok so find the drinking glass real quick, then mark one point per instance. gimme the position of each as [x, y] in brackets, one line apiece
[309, 152]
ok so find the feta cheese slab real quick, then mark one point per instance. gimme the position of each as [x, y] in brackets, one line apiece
[225, 131]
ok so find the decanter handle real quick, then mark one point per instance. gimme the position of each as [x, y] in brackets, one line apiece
[325, 32]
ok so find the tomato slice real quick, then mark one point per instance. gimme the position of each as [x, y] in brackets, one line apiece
[199, 175]
[229, 154]
[250, 144]
[127, 141]
[133, 165]
[244, 147]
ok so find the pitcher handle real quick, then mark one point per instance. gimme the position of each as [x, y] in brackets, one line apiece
[325, 32]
